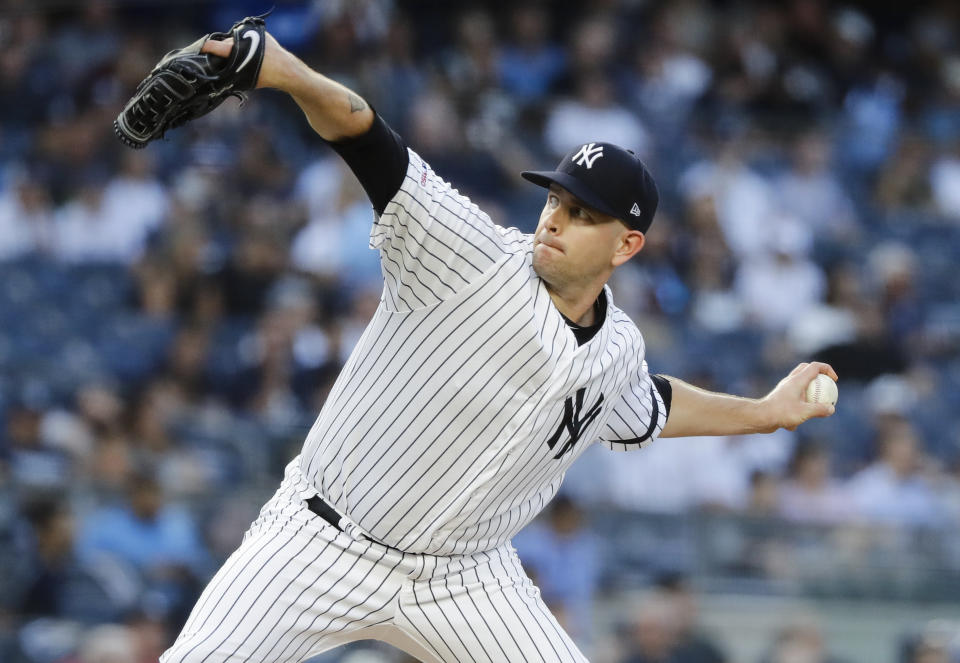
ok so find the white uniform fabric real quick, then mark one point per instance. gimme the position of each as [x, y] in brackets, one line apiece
[434, 438]
[297, 587]
[450, 427]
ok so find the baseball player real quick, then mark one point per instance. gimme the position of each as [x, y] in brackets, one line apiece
[494, 360]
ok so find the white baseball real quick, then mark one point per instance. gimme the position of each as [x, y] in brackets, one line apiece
[822, 389]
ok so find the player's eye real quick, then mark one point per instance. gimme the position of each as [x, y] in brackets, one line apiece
[552, 201]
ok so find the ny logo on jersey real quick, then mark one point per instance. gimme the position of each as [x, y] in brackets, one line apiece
[587, 155]
[572, 423]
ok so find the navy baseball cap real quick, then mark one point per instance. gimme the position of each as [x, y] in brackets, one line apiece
[607, 178]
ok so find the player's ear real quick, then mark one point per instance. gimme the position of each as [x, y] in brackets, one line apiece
[631, 242]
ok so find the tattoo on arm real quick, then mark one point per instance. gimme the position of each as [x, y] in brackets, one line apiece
[356, 103]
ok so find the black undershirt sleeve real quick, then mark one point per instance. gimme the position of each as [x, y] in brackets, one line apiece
[665, 388]
[378, 158]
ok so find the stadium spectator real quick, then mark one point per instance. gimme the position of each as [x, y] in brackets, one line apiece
[799, 640]
[150, 635]
[834, 320]
[691, 473]
[894, 489]
[664, 82]
[158, 539]
[56, 583]
[870, 125]
[812, 192]
[28, 75]
[783, 267]
[810, 493]
[334, 244]
[893, 269]
[471, 65]
[763, 496]
[26, 218]
[652, 633]
[394, 78]
[930, 652]
[693, 644]
[945, 183]
[33, 464]
[710, 269]
[134, 205]
[240, 277]
[530, 64]
[743, 200]
[903, 182]
[90, 42]
[180, 469]
[593, 113]
[592, 47]
[562, 555]
[108, 643]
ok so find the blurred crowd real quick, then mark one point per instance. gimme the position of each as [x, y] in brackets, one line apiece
[171, 319]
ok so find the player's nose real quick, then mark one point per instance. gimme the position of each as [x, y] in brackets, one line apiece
[554, 221]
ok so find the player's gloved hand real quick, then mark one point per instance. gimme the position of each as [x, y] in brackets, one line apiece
[190, 82]
[787, 403]
[274, 67]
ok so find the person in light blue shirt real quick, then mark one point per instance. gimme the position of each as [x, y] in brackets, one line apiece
[895, 489]
[159, 540]
[530, 65]
[563, 556]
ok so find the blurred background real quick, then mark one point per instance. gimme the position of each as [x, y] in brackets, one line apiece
[171, 319]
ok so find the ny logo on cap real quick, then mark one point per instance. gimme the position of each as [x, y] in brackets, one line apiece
[587, 155]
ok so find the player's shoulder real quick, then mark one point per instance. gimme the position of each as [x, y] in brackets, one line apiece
[422, 180]
[616, 315]
[623, 326]
[515, 241]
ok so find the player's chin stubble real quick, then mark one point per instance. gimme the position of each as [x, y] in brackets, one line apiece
[546, 267]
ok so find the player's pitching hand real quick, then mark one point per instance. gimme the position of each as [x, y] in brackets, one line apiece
[274, 57]
[787, 402]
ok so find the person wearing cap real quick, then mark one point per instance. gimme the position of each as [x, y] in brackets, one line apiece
[494, 359]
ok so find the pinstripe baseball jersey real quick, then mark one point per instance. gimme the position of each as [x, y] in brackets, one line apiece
[467, 397]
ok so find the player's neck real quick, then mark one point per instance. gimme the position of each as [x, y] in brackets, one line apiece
[577, 306]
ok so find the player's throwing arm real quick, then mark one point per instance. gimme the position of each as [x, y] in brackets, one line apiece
[494, 359]
[794, 400]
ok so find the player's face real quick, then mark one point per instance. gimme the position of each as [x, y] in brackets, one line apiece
[575, 245]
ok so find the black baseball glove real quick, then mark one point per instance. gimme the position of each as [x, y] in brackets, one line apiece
[187, 84]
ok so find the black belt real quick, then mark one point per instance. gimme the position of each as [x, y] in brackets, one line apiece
[319, 506]
[324, 510]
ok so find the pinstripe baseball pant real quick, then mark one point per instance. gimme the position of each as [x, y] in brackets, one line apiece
[297, 587]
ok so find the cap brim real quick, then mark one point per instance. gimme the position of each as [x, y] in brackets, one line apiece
[580, 190]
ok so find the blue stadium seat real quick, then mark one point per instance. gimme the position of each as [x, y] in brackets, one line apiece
[102, 288]
[225, 364]
[134, 345]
